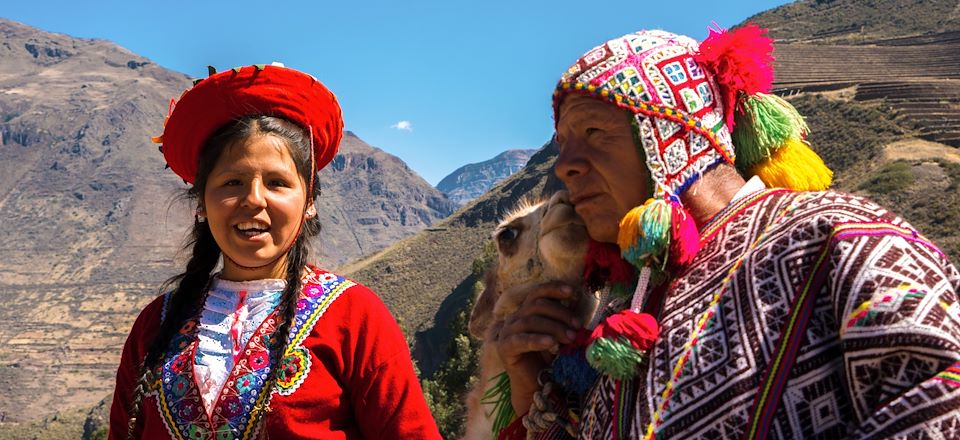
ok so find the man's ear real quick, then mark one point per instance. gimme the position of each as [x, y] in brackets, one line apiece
[482, 315]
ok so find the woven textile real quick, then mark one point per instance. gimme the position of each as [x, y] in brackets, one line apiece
[345, 374]
[879, 358]
[679, 116]
[232, 312]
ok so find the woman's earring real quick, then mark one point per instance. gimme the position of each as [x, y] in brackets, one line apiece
[311, 212]
[199, 215]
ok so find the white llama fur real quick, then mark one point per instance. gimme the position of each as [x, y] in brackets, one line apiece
[536, 243]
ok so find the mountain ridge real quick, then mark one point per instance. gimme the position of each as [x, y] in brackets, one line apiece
[472, 180]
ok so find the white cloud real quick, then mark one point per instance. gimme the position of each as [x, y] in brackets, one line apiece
[403, 125]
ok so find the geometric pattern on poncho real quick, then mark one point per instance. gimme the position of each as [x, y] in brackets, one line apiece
[679, 116]
[880, 355]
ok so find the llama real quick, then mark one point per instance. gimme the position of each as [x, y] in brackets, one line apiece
[535, 243]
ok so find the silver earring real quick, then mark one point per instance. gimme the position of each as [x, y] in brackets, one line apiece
[199, 215]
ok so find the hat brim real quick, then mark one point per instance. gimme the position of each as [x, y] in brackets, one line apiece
[249, 91]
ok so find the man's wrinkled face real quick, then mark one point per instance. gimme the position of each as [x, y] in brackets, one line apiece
[599, 163]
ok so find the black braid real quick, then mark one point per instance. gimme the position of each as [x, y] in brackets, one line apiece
[286, 312]
[183, 303]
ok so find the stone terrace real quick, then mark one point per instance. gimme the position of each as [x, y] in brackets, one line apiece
[919, 77]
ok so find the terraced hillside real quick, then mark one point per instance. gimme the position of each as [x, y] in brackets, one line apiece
[917, 76]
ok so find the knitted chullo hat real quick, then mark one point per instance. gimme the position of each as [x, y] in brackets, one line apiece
[695, 106]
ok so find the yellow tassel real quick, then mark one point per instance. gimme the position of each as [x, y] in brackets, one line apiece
[795, 166]
[629, 233]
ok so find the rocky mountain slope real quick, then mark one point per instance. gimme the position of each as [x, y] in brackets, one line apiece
[473, 180]
[96, 223]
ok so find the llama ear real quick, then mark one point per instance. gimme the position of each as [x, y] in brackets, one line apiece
[482, 315]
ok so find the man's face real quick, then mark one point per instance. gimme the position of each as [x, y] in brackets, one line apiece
[599, 163]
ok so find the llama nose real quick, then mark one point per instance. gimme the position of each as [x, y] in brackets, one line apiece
[561, 196]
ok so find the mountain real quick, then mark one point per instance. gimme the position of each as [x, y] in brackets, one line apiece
[96, 222]
[425, 279]
[846, 22]
[900, 53]
[371, 199]
[472, 180]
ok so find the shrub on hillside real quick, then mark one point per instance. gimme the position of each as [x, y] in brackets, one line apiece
[847, 134]
[445, 391]
[893, 177]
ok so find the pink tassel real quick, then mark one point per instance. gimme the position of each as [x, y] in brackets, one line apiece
[741, 61]
[684, 236]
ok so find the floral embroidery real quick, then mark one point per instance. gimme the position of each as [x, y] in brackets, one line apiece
[259, 359]
[320, 290]
[246, 383]
[293, 367]
[178, 397]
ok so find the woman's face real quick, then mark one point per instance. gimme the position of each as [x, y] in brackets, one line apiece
[254, 201]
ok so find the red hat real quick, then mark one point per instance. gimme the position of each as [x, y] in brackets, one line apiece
[270, 90]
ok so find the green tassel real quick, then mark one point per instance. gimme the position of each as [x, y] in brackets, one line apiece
[763, 123]
[644, 234]
[617, 359]
[499, 396]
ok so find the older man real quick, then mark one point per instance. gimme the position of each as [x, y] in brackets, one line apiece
[787, 313]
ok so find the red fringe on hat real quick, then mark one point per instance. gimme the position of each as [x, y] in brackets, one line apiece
[741, 61]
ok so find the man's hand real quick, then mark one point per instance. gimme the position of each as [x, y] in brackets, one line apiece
[540, 325]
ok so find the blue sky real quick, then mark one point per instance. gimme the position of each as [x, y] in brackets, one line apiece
[439, 84]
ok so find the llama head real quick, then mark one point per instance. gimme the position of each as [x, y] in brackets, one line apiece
[536, 243]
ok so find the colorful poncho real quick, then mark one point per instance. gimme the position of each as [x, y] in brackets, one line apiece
[879, 356]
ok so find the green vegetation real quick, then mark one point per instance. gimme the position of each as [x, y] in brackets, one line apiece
[893, 177]
[928, 199]
[847, 135]
[446, 390]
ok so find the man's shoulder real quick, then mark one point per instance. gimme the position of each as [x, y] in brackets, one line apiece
[830, 209]
[832, 216]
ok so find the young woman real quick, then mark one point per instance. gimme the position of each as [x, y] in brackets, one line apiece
[268, 346]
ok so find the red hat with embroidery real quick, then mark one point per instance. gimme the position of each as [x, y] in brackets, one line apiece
[271, 90]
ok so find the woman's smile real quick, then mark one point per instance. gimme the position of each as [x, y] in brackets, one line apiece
[255, 202]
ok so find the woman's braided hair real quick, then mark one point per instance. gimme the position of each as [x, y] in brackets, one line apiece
[191, 286]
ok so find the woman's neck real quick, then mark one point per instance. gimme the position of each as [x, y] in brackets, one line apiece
[235, 272]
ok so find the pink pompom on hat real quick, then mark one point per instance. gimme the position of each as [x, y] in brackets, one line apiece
[678, 106]
[695, 106]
